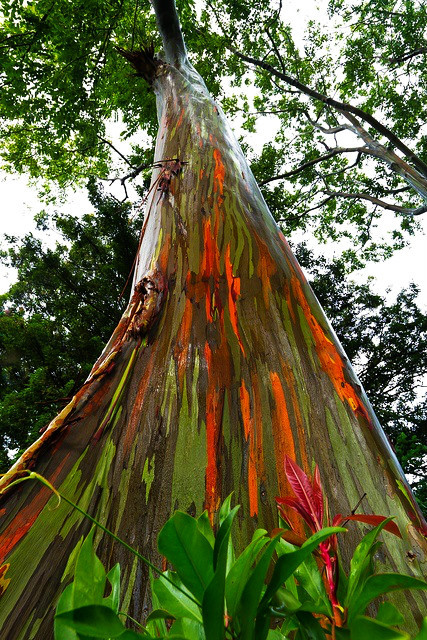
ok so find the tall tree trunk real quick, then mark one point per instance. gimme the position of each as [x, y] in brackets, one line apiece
[222, 363]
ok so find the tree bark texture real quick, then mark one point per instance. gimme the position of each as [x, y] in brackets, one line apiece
[222, 363]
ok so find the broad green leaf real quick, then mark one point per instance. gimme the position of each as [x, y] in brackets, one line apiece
[225, 509]
[205, 527]
[309, 578]
[223, 533]
[311, 627]
[380, 584]
[181, 541]
[89, 575]
[286, 564]
[241, 569]
[275, 634]
[422, 635]
[132, 635]
[160, 614]
[252, 591]
[170, 598]
[364, 628]
[186, 629]
[93, 620]
[156, 627]
[286, 601]
[361, 560]
[113, 577]
[214, 596]
[65, 603]
[388, 614]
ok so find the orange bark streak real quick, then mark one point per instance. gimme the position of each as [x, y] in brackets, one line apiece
[258, 426]
[135, 416]
[329, 357]
[265, 269]
[290, 380]
[164, 254]
[233, 294]
[180, 119]
[249, 435]
[213, 426]
[289, 302]
[219, 173]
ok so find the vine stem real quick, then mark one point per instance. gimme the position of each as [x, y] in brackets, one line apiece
[32, 475]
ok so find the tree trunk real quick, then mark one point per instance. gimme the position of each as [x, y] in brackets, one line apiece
[222, 364]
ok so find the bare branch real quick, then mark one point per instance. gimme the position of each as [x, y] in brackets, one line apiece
[381, 203]
[129, 176]
[276, 50]
[116, 150]
[326, 130]
[314, 161]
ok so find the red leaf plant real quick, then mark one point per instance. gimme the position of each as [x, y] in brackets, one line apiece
[311, 504]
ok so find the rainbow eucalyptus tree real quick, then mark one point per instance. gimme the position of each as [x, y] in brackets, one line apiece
[222, 363]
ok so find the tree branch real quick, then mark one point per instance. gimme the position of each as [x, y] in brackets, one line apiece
[377, 201]
[310, 163]
[170, 31]
[116, 150]
[408, 56]
[343, 107]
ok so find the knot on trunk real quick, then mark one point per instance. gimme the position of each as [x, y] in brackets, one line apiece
[147, 300]
[143, 61]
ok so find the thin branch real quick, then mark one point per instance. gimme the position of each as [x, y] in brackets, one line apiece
[377, 201]
[408, 56]
[347, 168]
[129, 176]
[276, 50]
[116, 150]
[326, 130]
[318, 206]
[314, 161]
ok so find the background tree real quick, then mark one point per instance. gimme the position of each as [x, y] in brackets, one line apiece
[60, 313]
[222, 363]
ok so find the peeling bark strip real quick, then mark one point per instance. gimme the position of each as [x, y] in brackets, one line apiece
[222, 363]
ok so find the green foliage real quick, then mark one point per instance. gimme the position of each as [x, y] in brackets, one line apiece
[59, 314]
[258, 595]
[63, 82]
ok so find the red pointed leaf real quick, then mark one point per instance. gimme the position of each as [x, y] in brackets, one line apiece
[318, 495]
[375, 521]
[303, 490]
[295, 504]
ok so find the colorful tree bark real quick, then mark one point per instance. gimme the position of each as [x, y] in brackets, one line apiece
[222, 363]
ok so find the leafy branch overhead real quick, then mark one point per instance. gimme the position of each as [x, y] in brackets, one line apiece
[347, 105]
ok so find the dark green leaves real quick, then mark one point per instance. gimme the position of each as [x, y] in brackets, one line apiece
[182, 543]
[211, 596]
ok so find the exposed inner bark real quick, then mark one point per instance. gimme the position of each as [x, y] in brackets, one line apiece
[221, 365]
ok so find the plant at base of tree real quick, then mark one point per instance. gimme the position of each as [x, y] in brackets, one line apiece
[272, 591]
